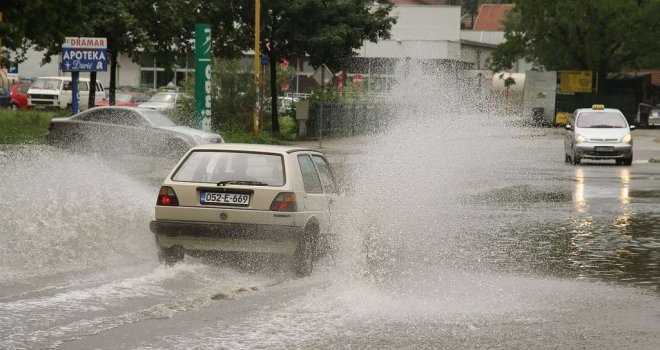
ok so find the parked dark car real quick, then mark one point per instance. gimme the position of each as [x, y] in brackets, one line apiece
[19, 96]
[126, 130]
[5, 98]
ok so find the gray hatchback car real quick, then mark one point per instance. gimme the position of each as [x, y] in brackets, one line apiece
[598, 133]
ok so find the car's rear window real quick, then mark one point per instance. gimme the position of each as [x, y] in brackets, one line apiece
[217, 166]
[601, 120]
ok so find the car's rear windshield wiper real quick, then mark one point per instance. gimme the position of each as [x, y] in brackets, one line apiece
[242, 182]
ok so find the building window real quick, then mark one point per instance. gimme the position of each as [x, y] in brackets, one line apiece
[154, 74]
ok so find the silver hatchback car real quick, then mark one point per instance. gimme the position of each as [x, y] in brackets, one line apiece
[598, 133]
[246, 198]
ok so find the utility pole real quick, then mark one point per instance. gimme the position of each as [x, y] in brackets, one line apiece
[0, 43]
[257, 65]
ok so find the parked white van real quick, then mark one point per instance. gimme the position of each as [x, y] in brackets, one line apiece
[55, 92]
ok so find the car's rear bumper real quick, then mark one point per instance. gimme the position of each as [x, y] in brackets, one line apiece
[654, 121]
[205, 236]
[617, 151]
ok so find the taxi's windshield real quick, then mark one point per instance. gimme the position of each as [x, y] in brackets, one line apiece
[601, 120]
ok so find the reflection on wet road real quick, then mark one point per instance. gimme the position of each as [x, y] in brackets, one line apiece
[605, 227]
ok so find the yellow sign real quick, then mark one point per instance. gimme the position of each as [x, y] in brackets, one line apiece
[561, 118]
[575, 81]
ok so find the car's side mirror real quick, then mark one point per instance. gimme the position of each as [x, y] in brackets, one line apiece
[568, 127]
[632, 127]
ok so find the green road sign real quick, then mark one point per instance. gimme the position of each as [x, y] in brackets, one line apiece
[203, 76]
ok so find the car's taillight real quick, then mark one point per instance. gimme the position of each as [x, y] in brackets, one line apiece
[166, 196]
[285, 201]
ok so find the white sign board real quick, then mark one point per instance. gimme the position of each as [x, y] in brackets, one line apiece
[320, 74]
[85, 43]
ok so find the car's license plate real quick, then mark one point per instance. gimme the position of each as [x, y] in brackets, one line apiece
[224, 198]
[604, 149]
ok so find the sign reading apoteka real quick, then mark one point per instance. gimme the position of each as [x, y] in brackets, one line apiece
[80, 54]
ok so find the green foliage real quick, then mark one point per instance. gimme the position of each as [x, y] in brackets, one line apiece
[25, 126]
[38, 22]
[598, 35]
[232, 97]
[328, 32]
[233, 132]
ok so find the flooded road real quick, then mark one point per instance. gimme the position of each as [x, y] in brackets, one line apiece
[513, 252]
[455, 230]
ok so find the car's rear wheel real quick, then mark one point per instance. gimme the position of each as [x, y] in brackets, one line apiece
[170, 256]
[13, 107]
[303, 258]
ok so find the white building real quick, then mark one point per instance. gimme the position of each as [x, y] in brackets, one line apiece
[421, 32]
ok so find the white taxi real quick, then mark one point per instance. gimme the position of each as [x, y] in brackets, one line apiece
[245, 198]
[598, 133]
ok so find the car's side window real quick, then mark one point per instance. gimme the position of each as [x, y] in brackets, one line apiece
[92, 116]
[128, 118]
[2, 91]
[310, 177]
[82, 86]
[326, 174]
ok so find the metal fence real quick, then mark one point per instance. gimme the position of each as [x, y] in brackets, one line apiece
[346, 119]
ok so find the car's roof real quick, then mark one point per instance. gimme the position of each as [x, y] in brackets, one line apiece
[253, 147]
[64, 78]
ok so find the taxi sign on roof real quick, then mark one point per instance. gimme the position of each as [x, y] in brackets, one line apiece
[598, 107]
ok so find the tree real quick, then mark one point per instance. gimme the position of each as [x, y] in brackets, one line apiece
[130, 26]
[327, 32]
[598, 35]
[38, 23]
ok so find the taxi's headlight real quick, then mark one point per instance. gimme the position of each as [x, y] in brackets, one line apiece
[580, 139]
[627, 138]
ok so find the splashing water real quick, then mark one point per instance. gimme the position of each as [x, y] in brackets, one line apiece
[405, 212]
[64, 213]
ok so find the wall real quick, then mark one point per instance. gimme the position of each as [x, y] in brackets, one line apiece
[430, 32]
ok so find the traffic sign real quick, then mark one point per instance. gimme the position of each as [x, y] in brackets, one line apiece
[13, 72]
[322, 75]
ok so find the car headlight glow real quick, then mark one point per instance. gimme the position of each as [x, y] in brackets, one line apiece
[579, 138]
[627, 138]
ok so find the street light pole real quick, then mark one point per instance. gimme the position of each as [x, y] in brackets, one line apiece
[257, 65]
[0, 43]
